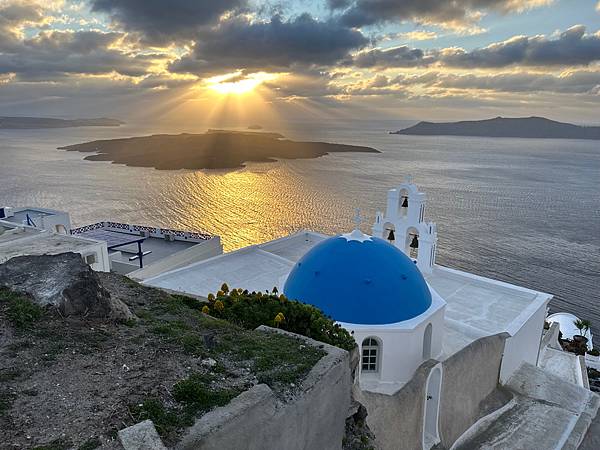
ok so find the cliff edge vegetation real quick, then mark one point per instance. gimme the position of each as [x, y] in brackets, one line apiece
[74, 381]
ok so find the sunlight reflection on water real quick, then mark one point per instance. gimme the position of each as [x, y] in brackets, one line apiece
[524, 211]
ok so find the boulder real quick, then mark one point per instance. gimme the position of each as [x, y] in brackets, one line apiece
[64, 281]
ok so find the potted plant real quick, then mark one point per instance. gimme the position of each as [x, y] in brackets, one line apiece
[580, 340]
[581, 325]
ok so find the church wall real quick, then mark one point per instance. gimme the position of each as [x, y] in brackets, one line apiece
[397, 420]
[469, 377]
[402, 349]
[524, 345]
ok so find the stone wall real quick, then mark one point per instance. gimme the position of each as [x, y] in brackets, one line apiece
[257, 420]
[469, 378]
[397, 420]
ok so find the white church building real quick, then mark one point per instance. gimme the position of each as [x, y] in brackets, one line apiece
[435, 343]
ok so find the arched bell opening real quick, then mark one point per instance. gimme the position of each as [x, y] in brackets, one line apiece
[389, 232]
[412, 243]
[403, 202]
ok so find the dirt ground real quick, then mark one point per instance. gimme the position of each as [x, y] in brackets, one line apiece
[73, 382]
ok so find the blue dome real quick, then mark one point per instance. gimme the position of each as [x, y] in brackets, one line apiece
[359, 281]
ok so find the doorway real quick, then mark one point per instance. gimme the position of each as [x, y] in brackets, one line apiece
[432, 407]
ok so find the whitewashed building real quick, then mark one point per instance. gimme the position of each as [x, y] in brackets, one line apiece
[435, 343]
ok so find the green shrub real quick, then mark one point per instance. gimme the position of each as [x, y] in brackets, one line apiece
[594, 352]
[90, 444]
[57, 444]
[20, 310]
[165, 420]
[195, 391]
[194, 396]
[251, 310]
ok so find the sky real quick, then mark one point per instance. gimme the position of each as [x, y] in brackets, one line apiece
[250, 61]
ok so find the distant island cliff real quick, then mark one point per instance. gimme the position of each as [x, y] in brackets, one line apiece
[519, 127]
[215, 149]
[27, 123]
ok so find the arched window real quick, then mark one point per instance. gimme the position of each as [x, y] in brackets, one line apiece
[370, 355]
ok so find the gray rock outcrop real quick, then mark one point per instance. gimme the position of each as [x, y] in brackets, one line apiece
[64, 281]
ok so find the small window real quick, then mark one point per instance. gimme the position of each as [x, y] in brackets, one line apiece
[370, 353]
[90, 259]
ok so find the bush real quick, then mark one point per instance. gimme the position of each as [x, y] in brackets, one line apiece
[20, 311]
[594, 352]
[195, 391]
[251, 310]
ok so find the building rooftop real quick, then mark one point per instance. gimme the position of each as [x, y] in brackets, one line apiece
[359, 279]
[250, 268]
[19, 215]
[476, 306]
[122, 242]
[18, 241]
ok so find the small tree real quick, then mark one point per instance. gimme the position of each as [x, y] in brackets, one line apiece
[586, 327]
[580, 325]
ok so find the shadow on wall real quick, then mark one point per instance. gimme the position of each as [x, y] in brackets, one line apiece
[441, 401]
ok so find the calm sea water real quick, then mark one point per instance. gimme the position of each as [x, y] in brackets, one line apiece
[526, 211]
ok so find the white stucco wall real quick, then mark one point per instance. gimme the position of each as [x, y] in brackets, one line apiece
[401, 346]
[199, 252]
[524, 343]
[102, 263]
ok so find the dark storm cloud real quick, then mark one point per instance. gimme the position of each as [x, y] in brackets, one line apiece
[403, 56]
[55, 53]
[164, 21]
[572, 47]
[359, 13]
[277, 44]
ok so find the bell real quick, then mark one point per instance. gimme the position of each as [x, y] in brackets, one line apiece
[405, 202]
[415, 242]
[391, 236]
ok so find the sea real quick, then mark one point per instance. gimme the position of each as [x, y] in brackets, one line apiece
[524, 211]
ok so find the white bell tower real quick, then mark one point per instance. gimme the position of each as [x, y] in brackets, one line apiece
[404, 226]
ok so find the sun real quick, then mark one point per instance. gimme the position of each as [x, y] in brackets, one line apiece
[237, 83]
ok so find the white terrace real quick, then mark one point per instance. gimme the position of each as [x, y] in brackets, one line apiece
[476, 306]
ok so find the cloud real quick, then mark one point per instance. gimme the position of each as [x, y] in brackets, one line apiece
[161, 22]
[578, 82]
[14, 15]
[402, 56]
[418, 35]
[572, 47]
[274, 45]
[457, 13]
[51, 54]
